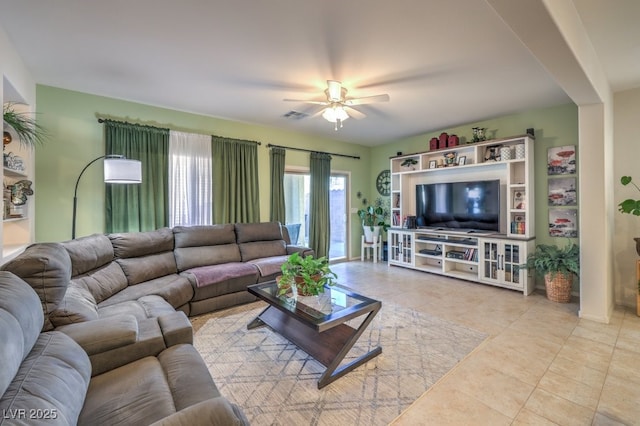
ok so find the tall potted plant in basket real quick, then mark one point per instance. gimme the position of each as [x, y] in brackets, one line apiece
[558, 265]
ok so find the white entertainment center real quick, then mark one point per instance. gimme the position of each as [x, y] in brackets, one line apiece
[489, 257]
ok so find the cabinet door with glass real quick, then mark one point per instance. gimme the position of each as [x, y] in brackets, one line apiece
[500, 262]
[400, 247]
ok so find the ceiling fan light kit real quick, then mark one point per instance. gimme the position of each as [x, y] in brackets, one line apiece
[337, 103]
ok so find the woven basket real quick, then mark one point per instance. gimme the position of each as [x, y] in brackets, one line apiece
[558, 288]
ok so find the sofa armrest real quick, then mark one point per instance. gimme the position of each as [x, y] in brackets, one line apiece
[176, 328]
[214, 411]
[103, 334]
[304, 251]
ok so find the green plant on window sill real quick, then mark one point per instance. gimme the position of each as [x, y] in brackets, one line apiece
[309, 274]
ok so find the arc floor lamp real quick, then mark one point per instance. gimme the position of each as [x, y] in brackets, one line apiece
[117, 169]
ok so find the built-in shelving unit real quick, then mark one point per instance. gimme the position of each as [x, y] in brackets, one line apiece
[18, 223]
[493, 257]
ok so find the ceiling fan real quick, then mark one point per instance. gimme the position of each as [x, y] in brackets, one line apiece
[338, 107]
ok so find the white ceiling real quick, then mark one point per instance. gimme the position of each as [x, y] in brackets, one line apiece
[443, 63]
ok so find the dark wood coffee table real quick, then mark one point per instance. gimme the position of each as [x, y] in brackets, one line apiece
[317, 324]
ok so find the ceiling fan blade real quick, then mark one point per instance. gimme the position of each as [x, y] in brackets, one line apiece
[304, 101]
[367, 100]
[355, 113]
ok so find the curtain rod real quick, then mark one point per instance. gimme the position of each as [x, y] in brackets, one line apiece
[102, 120]
[270, 145]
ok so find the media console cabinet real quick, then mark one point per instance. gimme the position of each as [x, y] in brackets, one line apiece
[487, 257]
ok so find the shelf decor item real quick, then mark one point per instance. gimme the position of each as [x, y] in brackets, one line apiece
[557, 265]
[305, 276]
[29, 133]
[409, 164]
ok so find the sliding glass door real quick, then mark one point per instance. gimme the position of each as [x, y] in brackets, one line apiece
[296, 199]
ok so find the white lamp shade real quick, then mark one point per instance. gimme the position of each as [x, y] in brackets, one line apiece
[335, 113]
[120, 170]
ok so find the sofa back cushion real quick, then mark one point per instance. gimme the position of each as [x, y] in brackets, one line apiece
[258, 240]
[46, 267]
[21, 320]
[93, 266]
[78, 305]
[144, 256]
[205, 245]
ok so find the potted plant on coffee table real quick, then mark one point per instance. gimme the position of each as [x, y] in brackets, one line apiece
[305, 276]
[558, 265]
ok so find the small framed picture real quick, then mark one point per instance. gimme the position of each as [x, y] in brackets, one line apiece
[462, 160]
[432, 164]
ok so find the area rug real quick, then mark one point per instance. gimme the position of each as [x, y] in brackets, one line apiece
[275, 383]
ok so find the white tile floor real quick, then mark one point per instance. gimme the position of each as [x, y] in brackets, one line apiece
[541, 365]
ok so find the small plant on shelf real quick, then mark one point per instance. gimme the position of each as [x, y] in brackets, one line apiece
[308, 274]
[409, 163]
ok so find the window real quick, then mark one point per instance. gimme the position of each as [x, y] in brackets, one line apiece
[190, 181]
[296, 199]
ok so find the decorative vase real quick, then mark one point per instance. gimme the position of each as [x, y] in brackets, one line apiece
[505, 153]
[559, 288]
[370, 235]
[520, 151]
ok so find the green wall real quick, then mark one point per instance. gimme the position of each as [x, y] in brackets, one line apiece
[77, 138]
[555, 126]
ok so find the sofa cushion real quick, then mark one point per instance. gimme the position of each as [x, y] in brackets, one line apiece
[89, 253]
[175, 289]
[153, 388]
[46, 267]
[264, 231]
[137, 244]
[262, 249]
[145, 268]
[78, 305]
[144, 256]
[269, 267]
[144, 307]
[102, 282]
[205, 245]
[53, 378]
[21, 320]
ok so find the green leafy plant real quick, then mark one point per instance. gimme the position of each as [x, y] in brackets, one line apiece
[29, 132]
[551, 259]
[373, 216]
[409, 162]
[310, 275]
[629, 206]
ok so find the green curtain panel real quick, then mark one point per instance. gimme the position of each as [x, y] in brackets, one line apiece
[142, 207]
[319, 222]
[235, 181]
[277, 213]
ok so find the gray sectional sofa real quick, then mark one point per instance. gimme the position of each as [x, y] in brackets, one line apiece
[125, 297]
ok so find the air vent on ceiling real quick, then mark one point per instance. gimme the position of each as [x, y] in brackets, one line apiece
[296, 115]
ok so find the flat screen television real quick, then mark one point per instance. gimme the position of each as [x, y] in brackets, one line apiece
[459, 205]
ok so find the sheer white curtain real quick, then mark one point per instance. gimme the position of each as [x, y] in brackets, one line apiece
[190, 179]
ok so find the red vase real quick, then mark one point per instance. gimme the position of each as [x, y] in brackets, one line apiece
[443, 140]
[433, 144]
[453, 140]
